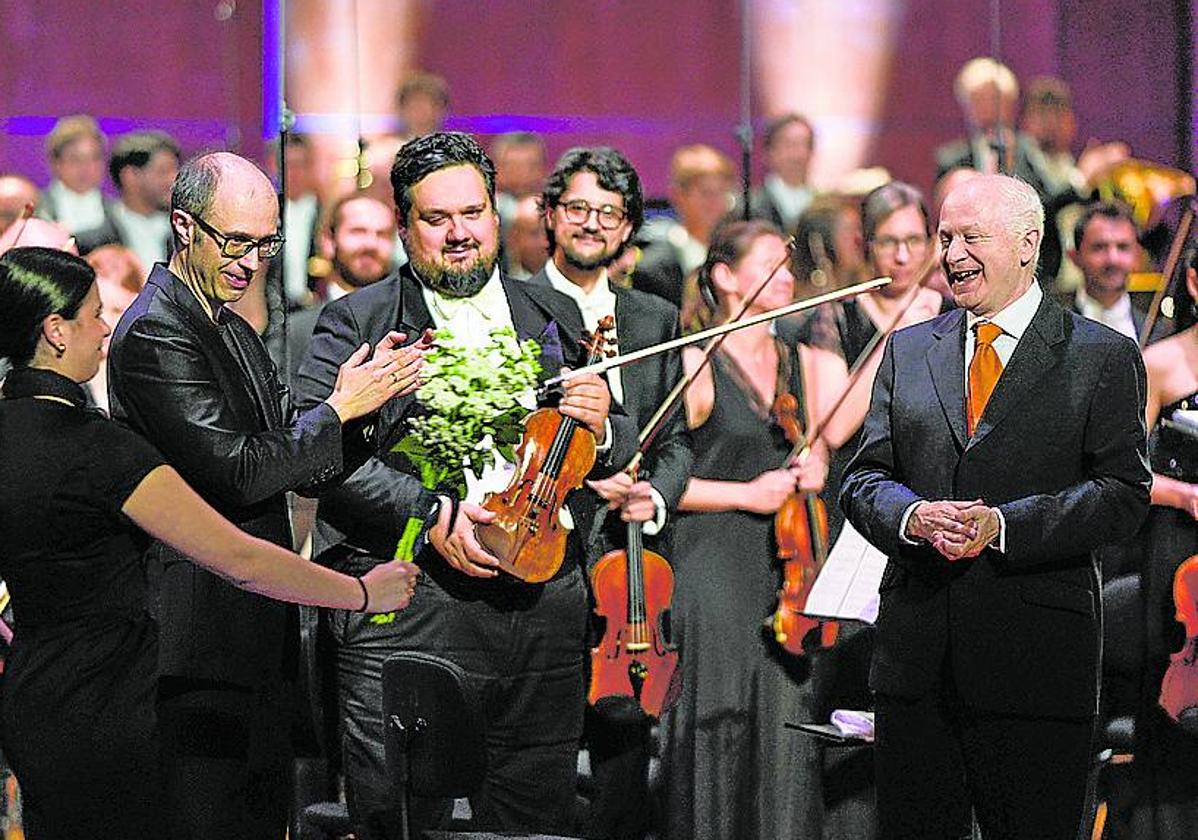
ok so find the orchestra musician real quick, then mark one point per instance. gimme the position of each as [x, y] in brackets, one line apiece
[730, 769]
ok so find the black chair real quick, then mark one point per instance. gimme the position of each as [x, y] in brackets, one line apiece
[435, 737]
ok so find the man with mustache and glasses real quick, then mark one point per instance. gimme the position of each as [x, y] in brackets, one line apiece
[521, 644]
[194, 379]
[593, 206]
[1004, 444]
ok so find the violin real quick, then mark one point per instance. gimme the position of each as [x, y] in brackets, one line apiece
[633, 589]
[1179, 689]
[555, 455]
[801, 531]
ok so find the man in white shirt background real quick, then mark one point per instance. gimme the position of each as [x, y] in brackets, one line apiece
[1107, 252]
[785, 192]
[143, 165]
[75, 148]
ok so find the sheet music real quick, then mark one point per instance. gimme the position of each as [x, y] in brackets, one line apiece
[847, 587]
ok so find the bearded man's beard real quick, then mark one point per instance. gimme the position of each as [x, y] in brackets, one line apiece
[456, 282]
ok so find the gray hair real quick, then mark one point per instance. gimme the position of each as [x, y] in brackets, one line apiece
[1023, 209]
[195, 185]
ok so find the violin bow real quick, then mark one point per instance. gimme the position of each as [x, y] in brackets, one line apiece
[710, 332]
[1175, 251]
[803, 447]
[655, 424]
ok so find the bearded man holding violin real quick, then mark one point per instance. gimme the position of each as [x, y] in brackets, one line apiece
[521, 644]
[1005, 443]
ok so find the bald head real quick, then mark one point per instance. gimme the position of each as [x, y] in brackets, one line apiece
[16, 192]
[34, 231]
[990, 231]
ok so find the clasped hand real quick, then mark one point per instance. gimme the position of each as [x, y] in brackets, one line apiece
[957, 529]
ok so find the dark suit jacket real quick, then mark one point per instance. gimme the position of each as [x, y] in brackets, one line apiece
[369, 509]
[762, 206]
[643, 320]
[1060, 451]
[659, 273]
[175, 378]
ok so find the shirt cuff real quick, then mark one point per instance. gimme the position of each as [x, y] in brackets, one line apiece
[653, 527]
[903, 538]
[603, 448]
[1000, 544]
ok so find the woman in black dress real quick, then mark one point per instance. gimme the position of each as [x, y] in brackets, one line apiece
[78, 494]
[1166, 756]
[731, 768]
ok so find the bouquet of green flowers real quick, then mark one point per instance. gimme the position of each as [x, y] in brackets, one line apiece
[475, 401]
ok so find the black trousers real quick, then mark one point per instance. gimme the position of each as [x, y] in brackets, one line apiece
[522, 645]
[619, 750]
[227, 758]
[936, 760]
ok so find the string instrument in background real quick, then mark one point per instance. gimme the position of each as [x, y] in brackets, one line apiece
[633, 589]
[801, 524]
[554, 457]
[801, 531]
[1179, 689]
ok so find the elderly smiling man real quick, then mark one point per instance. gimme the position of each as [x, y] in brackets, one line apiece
[1004, 444]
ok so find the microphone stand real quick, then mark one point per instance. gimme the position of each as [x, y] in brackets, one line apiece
[744, 132]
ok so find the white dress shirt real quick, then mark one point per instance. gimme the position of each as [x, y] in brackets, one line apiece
[76, 211]
[1117, 317]
[594, 306]
[790, 201]
[300, 218]
[1013, 320]
[146, 236]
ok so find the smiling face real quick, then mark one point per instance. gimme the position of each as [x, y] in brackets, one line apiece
[987, 262]
[899, 248]
[452, 231]
[587, 245]
[244, 207]
[362, 243]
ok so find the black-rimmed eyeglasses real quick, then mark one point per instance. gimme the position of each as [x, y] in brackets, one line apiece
[578, 211]
[236, 247]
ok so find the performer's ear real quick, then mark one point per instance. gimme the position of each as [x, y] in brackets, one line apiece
[181, 225]
[1028, 247]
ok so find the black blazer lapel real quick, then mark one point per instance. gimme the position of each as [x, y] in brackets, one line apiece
[1034, 356]
[946, 362]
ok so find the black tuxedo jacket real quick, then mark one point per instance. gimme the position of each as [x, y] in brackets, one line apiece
[1060, 450]
[643, 320]
[367, 512]
[659, 273]
[208, 397]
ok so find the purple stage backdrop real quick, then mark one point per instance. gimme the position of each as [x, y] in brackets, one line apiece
[644, 75]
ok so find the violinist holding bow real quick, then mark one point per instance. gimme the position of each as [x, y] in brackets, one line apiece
[521, 644]
[593, 206]
[731, 769]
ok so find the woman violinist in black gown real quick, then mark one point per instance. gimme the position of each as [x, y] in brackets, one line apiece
[1166, 756]
[78, 494]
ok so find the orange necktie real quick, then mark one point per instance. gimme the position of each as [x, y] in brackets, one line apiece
[984, 370]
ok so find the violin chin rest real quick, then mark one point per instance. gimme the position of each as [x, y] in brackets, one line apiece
[1187, 719]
